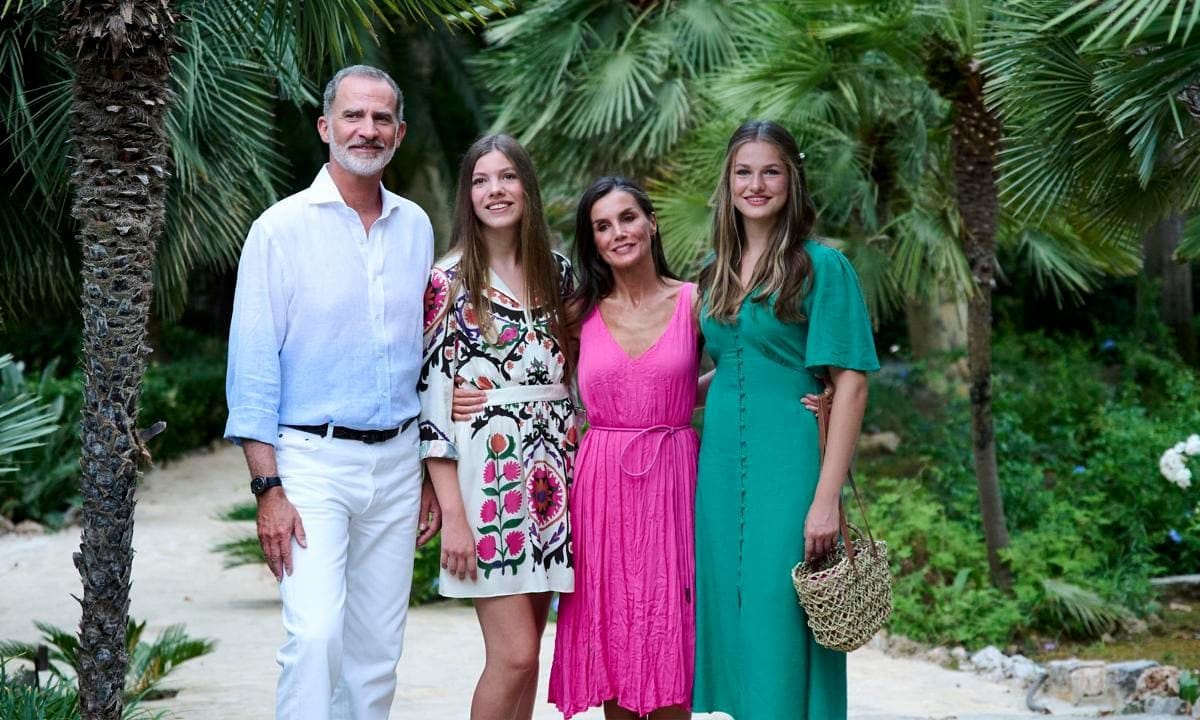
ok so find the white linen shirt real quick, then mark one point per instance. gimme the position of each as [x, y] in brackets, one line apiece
[327, 318]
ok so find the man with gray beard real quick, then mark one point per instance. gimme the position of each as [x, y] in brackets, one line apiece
[324, 353]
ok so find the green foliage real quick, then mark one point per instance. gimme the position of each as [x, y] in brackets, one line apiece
[24, 419]
[189, 394]
[1189, 687]
[246, 550]
[241, 512]
[149, 662]
[241, 551]
[1080, 425]
[425, 573]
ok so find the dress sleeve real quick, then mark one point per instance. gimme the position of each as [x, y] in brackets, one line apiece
[839, 328]
[438, 367]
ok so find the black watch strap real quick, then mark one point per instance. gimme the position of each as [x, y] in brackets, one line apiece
[261, 484]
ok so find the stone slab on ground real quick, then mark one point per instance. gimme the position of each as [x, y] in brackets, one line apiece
[177, 579]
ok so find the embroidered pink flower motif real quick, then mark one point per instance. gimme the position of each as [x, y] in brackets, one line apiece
[515, 541]
[512, 502]
[486, 547]
[507, 335]
[545, 495]
[435, 296]
[512, 470]
[489, 472]
[488, 513]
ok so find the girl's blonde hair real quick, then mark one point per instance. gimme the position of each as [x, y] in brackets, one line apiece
[785, 268]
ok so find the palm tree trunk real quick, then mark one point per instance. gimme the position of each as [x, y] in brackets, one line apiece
[121, 51]
[974, 144]
[1175, 290]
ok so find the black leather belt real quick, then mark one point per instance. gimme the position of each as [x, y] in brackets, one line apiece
[363, 436]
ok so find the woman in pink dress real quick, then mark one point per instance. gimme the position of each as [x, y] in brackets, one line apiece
[626, 636]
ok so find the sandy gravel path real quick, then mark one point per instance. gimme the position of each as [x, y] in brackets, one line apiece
[176, 579]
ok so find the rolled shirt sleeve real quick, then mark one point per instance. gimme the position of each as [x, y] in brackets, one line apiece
[256, 333]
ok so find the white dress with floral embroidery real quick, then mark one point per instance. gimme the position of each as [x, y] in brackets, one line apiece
[514, 457]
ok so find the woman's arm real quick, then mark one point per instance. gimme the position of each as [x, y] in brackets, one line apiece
[702, 386]
[845, 423]
[458, 544]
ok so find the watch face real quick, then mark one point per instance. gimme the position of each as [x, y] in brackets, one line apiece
[257, 485]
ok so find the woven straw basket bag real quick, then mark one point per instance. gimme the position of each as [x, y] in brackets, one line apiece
[847, 593]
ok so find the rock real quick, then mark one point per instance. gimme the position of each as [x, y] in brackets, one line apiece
[71, 516]
[989, 659]
[960, 655]
[940, 656]
[1076, 681]
[879, 642]
[1164, 706]
[887, 442]
[1179, 607]
[1123, 678]
[6, 525]
[1025, 670]
[29, 527]
[900, 645]
[1157, 681]
[1135, 626]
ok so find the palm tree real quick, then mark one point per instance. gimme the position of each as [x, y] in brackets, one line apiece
[121, 56]
[597, 87]
[1102, 100]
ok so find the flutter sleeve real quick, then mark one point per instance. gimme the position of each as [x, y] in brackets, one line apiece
[839, 328]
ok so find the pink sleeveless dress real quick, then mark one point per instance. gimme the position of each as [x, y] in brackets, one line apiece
[627, 633]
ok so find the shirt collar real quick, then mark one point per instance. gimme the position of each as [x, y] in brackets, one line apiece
[323, 190]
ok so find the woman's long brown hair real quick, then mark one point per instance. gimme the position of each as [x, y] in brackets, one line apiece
[785, 268]
[541, 271]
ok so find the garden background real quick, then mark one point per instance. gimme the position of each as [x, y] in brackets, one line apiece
[1015, 182]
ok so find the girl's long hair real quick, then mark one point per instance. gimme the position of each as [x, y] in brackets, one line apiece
[541, 271]
[595, 277]
[785, 269]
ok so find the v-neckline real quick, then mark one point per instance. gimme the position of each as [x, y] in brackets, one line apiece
[498, 283]
[613, 338]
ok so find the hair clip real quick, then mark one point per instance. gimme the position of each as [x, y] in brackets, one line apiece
[801, 155]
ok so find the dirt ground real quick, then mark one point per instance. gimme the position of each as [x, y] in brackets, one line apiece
[177, 579]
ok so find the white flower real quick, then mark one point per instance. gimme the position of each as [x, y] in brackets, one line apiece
[1193, 445]
[1174, 462]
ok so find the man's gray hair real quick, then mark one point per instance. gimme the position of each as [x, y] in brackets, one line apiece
[366, 71]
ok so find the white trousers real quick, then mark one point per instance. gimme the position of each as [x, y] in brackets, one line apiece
[346, 601]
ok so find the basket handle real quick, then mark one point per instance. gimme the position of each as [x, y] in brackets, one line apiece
[824, 408]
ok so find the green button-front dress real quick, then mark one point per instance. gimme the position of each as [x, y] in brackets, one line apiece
[755, 656]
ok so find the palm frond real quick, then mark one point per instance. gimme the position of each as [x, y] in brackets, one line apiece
[149, 663]
[1125, 21]
[24, 417]
[241, 551]
[1081, 612]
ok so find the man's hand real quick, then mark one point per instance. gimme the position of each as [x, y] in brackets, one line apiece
[467, 401]
[430, 519]
[278, 521]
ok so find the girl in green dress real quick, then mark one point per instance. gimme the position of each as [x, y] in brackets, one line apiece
[781, 314]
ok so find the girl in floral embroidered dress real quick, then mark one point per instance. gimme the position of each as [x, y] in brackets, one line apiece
[492, 314]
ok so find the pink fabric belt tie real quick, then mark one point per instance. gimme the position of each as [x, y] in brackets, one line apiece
[664, 431]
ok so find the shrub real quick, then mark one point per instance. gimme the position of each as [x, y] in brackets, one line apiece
[1080, 425]
[149, 662]
[189, 394]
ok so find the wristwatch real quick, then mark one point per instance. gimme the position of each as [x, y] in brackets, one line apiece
[261, 484]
